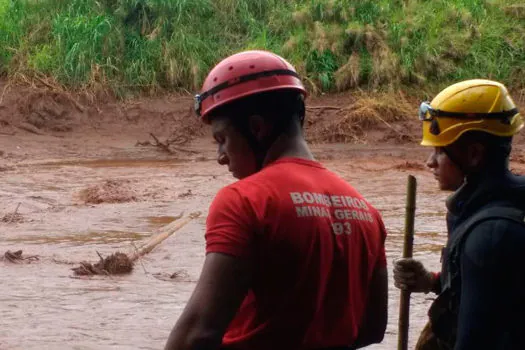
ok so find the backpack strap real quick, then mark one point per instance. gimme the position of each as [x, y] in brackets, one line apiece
[462, 232]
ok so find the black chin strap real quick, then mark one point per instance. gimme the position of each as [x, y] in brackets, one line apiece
[455, 160]
[260, 149]
[257, 148]
[280, 125]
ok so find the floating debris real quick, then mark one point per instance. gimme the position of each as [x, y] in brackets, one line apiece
[178, 276]
[120, 263]
[18, 258]
[115, 264]
[111, 191]
[13, 217]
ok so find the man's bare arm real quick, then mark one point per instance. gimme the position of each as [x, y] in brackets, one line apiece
[221, 288]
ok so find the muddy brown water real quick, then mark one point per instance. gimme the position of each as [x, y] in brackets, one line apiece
[42, 306]
[46, 171]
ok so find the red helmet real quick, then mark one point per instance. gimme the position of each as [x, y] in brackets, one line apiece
[243, 74]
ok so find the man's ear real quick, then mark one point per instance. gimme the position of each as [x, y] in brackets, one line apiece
[259, 127]
[476, 155]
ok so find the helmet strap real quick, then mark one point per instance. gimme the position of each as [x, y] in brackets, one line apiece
[257, 148]
[497, 151]
[260, 149]
[454, 160]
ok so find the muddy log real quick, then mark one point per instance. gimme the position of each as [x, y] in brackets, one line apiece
[17, 257]
[121, 263]
[163, 233]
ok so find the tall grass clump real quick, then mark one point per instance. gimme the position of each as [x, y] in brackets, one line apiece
[128, 46]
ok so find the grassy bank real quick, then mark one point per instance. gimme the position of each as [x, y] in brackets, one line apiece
[131, 46]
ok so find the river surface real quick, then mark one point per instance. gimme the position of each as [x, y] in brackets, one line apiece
[44, 306]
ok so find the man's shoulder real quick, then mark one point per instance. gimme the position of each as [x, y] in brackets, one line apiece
[288, 171]
[250, 189]
[312, 180]
[493, 239]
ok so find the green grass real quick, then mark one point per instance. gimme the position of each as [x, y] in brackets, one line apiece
[138, 46]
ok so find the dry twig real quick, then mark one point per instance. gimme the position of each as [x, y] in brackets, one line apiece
[167, 146]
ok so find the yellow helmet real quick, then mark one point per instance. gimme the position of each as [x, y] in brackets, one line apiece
[476, 104]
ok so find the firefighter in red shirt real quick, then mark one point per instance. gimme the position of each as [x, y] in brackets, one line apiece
[295, 256]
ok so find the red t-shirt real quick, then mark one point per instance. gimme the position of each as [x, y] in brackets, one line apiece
[314, 242]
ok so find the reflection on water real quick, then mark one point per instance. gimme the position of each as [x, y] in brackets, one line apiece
[160, 220]
[98, 237]
[112, 163]
[44, 308]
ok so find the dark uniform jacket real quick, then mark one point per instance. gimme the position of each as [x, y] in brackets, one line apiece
[490, 288]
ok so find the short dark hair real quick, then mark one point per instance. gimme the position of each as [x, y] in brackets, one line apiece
[283, 107]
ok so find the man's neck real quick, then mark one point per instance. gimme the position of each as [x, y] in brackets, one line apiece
[288, 147]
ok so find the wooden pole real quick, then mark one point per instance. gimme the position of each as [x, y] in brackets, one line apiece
[163, 233]
[404, 303]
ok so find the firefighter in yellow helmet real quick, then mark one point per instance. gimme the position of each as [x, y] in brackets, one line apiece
[470, 105]
[481, 285]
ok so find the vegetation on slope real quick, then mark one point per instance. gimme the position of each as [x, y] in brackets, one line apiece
[129, 46]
